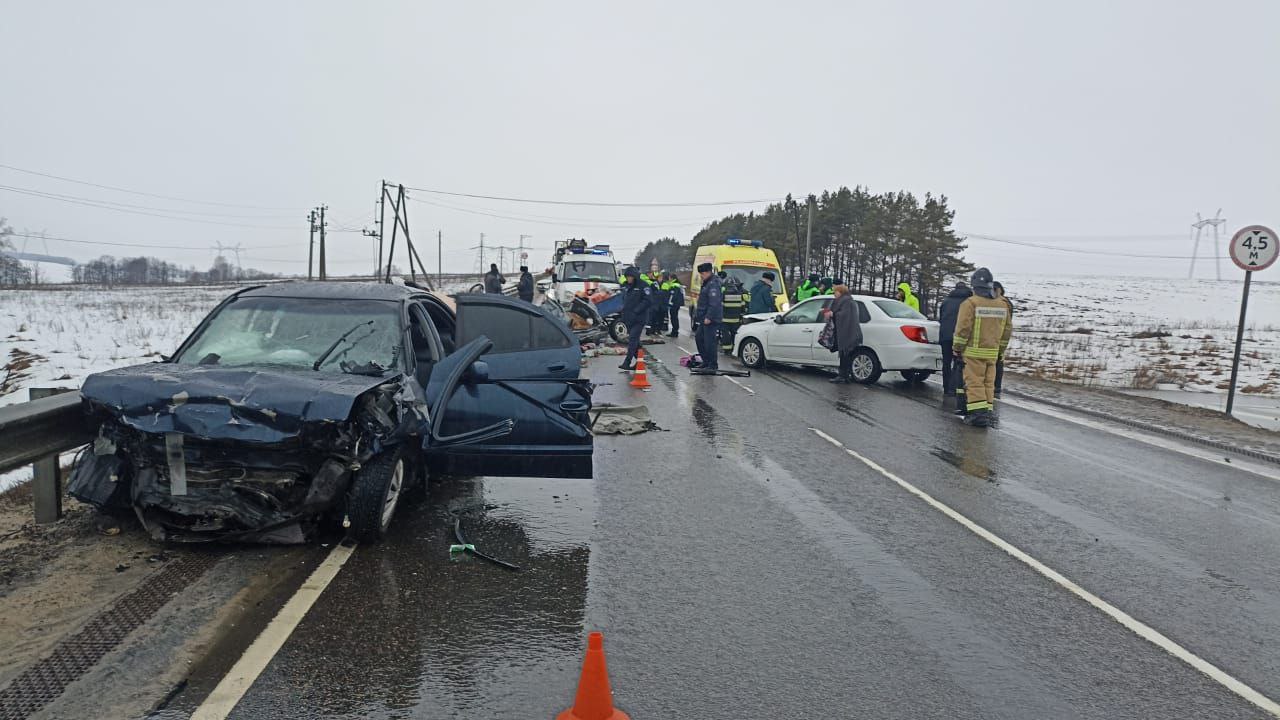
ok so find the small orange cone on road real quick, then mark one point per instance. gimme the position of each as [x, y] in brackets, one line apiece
[594, 700]
[641, 377]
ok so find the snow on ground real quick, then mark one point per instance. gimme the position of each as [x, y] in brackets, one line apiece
[1145, 333]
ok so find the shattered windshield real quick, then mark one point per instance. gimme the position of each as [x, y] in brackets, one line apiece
[589, 270]
[298, 332]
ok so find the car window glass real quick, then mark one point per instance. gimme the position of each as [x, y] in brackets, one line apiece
[864, 315]
[806, 312]
[898, 310]
[510, 329]
[297, 332]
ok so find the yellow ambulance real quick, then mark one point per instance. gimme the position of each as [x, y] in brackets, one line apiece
[741, 259]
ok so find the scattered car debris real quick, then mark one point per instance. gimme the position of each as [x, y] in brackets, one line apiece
[621, 420]
[465, 547]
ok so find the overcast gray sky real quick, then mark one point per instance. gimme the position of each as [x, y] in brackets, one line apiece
[1060, 123]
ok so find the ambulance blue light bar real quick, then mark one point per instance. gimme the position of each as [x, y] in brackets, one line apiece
[740, 241]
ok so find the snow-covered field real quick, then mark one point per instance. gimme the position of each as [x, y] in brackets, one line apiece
[1145, 333]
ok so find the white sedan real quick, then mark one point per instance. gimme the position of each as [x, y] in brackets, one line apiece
[894, 337]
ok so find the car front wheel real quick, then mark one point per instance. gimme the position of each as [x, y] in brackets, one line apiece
[375, 495]
[866, 367]
[915, 376]
[751, 352]
[618, 331]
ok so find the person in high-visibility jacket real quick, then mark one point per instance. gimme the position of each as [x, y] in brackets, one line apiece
[983, 329]
[808, 288]
[905, 295]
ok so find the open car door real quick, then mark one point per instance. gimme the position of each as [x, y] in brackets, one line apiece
[528, 342]
[485, 423]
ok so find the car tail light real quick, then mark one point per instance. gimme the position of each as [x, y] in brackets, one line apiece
[915, 333]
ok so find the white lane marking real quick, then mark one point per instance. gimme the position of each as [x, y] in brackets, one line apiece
[1138, 627]
[727, 377]
[1214, 456]
[237, 681]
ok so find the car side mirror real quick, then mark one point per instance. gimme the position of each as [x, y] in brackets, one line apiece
[555, 278]
[778, 319]
[478, 372]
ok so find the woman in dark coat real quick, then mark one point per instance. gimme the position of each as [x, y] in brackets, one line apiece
[848, 327]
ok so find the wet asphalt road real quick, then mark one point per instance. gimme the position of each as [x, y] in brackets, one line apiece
[740, 566]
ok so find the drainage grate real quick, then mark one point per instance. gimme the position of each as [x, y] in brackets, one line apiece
[47, 679]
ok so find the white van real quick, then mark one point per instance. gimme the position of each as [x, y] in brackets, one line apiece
[579, 267]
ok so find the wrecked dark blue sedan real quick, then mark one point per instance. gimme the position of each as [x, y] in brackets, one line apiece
[297, 404]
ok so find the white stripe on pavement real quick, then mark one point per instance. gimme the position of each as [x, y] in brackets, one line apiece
[236, 683]
[1138, 627]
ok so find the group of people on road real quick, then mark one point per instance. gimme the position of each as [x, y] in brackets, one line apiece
[651, 301]
[493, 282]
[976, 324]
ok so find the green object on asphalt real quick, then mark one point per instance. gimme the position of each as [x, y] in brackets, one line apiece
[461, 548]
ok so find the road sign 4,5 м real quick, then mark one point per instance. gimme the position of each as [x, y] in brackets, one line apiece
[1254, 248]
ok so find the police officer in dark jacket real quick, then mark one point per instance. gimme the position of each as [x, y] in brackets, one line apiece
[676, 291]
[525, 287]
[946, 333]
[658, 315]
[709, 318]
[637, 304]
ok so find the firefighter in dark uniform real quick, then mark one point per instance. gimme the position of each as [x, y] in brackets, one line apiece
[735, 304]
[636, 306]
[709, 317]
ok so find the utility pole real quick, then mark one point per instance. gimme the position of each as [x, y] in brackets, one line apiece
[311, 246]
[523, 259]
[1199, 225]
[323, 274]
[376, 234]
[808, 240]
[440, 258]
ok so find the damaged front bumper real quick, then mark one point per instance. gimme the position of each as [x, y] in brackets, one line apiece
[200, 470]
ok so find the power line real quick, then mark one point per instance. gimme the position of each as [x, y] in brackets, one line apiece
[144, 194]
[61, 196]
[1080, 251]
[654, 225]
[595, 204]
[119, 244]
[101, 206]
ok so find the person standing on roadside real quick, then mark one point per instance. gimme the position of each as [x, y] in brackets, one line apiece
[493, 280]
[524, 288]
[658, 315]
[709, 317]
[844, 314]
[676, 292]
[951, 365]
[637, 304]
[762, 294]
[825, 285]
[983, 329]
[905, 295]
[1000, 363]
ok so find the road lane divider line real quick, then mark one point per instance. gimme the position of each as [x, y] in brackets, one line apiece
[730, 379]
[233, 686]
[1131, 623]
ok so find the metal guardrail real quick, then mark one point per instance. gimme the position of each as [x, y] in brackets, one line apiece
[35, 433]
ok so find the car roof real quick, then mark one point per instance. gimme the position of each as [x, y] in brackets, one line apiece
[333, 290]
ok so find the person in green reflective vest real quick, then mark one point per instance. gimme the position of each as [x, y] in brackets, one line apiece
[807, 289]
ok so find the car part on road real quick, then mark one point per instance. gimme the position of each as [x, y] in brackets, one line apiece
[752, 353]
[915, 376]
[469, 548]
[618, 330]
[721, 371]
[866, 367]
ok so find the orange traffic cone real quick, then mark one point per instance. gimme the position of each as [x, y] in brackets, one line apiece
[641, 377]
[594, 700]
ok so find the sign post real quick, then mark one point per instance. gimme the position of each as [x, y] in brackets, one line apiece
[1253, 248]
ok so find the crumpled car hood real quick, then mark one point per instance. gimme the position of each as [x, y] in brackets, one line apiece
[253, 404]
